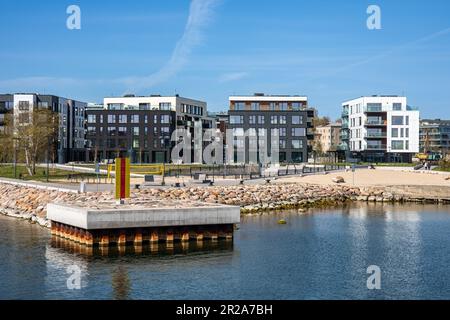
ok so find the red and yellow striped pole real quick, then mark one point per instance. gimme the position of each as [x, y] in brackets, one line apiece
[122, 178]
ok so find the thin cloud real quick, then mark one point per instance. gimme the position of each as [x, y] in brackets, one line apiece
[200, 14]
[234, 76]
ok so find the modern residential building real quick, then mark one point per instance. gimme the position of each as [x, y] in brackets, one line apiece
[70, 139]
[435, 136]
[380, 129]
[261, 115]
[328, 137]
[141, 127]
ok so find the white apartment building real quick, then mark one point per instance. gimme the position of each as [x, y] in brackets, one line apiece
[380, 129]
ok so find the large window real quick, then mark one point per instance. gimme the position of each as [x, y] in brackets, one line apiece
[296, 106]
[134, 118]
[397, 145]
[282, 119]
[111, 118]
[236, 119]
[397, 120]
[255, 106]
[261, 119]
[283, 106]
[24, 105]
[297, 144]
[272, 106]
[122, 118]
[92, 118]
[252, 119]
[165, 119]
[297, 120]
[91, 131]
[165, 106]
[397, 107]
[122, 131]
[239, 106]
[135, 131]
[298, 132]
[274, 119]
[394, 133]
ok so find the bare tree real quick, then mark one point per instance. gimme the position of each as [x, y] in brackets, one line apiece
[35, 133]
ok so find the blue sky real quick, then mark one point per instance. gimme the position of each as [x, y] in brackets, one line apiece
[320, 48]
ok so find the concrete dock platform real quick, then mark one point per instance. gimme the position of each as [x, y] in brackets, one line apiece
[139, 221]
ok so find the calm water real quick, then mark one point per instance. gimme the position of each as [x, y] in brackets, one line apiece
[315, 256]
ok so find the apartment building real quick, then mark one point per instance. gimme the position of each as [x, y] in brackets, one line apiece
[329, 137]
[380, 129]
[142, 127]
[262, 115]
[70, 139]
[435, 136]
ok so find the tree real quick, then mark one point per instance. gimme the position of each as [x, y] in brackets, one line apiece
[34, 133]
[321, 121]
[6, 141]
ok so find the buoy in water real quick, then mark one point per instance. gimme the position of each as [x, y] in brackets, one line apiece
[282, 221]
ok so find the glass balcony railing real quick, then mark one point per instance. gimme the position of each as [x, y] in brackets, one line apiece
[373, 109]
[376, 147]
[344, 125]
[376, 122]
[376, 135]
[345, 113]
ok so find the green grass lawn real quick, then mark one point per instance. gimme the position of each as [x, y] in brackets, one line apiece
[7, 171]
[442, 169]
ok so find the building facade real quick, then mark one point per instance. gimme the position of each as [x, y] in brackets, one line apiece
[261, 115]
[380, 129]
[141, 127]
[70, 138]
[435, 136]
[328, 137]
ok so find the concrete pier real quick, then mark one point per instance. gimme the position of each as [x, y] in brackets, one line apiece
[137, 223]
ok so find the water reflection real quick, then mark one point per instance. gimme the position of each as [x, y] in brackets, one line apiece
[151, 249]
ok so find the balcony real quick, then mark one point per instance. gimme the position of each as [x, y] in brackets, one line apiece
[344, 136]
[344, 125]
[373, 109]
[379, 122]
[344, 113]
[376, 135]
[376, 147]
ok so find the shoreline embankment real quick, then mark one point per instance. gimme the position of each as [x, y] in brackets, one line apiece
[30, 203]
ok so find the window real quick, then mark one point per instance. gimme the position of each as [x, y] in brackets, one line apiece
[252, 119]
[402, 133]
[122, 118]
[407, 134]
[282, 144]
[111, 118]
[134, 118]
[91, 131]
[274, 119]
[165, 106]
[397, 107]
[115, 106]
[407, 120]
[239, 106]
[282, 132]
[251, 132]
[283, 106]
[24, 105]
[255, 106]
[165, 131]
[135, 131]
[261, 132]
[397, 145]
[394, 133]
[92, 118]
[122, 131]
[397, 120]
[236, 119]
[272, 106]
[298, 132]
[274, 132]
[261, 119]
[407, 145]
[112, 131]
[296, 106]
[297, 120]
[282, 119]
[43, 104]
[165, 119]
[135, 143]
[297, 144]
[155, 119]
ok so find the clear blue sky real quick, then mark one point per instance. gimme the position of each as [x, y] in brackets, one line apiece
[318, 48]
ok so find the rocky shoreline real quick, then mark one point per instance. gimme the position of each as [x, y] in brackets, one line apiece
[30, 203]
